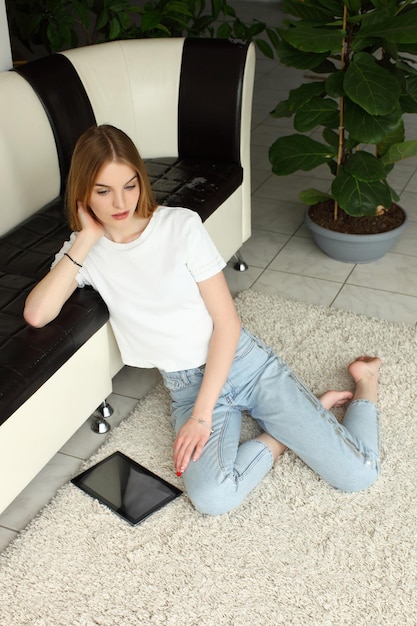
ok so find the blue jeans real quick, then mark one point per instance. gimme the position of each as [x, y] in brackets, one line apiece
[259, 382]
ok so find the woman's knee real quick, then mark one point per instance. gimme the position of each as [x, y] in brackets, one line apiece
[210, 507]
[359, 480]
[213, 499]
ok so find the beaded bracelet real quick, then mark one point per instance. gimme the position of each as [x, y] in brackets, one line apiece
[71, 259]
[203, 423]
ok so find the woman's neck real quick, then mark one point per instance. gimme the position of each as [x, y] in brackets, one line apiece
[129, 232]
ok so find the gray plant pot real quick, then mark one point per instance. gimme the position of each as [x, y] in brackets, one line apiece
[354, 248]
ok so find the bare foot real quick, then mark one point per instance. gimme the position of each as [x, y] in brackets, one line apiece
[364, 366]
[364, 371]
[331, 399]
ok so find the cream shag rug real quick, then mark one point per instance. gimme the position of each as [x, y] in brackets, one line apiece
[297, 552]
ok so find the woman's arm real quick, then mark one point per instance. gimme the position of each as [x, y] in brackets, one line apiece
[47, 298]
[226, 332]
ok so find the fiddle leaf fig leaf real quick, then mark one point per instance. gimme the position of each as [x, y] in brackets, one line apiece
[297, 98]
[291, 57]
[364, 166]
[150, 20]
[115, 29]
[297, 152]
[224, 31]
[331, 137]
[102, 20]
[400, 151]
[334, 84]
[394, 195]
[397, 136]
[371, 86]
[282, 110]
[408, 105]
[304, 93]
[313, 38]
[357, 197]
[314, 196]
[400, 28]
[315, 112]
[369, 128]
[411, 87]
[265, 48]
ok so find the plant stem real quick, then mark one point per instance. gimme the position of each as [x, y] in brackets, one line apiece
[341, 111]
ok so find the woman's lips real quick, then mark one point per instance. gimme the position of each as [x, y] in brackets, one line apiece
[120, 216]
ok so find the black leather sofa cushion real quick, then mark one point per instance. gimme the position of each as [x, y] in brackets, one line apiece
[194, 184]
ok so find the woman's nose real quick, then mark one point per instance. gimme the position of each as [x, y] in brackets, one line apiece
[119, 200]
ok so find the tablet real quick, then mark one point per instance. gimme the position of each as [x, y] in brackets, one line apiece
[127, 488]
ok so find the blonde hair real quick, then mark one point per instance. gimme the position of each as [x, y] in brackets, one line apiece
[97, 146]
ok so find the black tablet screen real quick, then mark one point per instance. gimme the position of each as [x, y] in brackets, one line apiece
[130, 490]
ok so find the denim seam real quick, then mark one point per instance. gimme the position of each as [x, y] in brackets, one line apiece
[265, 450]
[255, 461]
[220, 441]
[377, 459]
[368, 458]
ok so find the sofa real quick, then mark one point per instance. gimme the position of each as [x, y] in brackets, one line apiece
[187, 105]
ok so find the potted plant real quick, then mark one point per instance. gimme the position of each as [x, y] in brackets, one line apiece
[48, 26]
[362, 56]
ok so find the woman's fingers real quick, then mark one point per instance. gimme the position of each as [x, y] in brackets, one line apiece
[188, 445]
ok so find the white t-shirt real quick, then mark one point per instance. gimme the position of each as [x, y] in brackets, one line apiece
[150, 287]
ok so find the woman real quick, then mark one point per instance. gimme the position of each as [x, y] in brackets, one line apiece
[161, 278]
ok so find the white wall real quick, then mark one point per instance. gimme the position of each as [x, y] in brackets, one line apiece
[5, 51]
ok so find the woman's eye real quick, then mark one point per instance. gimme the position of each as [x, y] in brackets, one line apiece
[130, 187]
[102, 192]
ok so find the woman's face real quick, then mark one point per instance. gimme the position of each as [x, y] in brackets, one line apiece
[115, 194]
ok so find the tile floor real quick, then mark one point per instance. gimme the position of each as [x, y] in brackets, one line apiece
[282, 259]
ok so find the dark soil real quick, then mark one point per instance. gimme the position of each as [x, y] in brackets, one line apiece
[322, 214]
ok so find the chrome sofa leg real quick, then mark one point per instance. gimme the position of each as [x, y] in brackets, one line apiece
[240, 265]
[100, 425]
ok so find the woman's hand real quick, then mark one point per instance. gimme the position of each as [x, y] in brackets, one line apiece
[88, 224]
[189, 443]
[46, 299]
